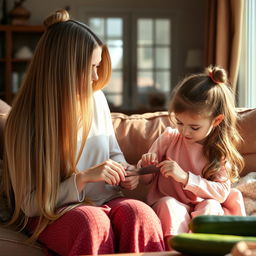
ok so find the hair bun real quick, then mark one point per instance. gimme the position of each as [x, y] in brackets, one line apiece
[59, 16]
[218, 74]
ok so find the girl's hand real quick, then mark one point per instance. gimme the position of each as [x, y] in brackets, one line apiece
[127, 166]
[148, 159]
[130, 182]
[109, 171]
[170, 168]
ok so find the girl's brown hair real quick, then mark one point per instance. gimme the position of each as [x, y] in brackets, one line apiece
[54, 102]
[209, 94]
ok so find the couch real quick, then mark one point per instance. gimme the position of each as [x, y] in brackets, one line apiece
[135, 134]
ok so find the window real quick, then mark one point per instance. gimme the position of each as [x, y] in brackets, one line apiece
[247, 74]
[140, 50]
[153, 61]
[111, 31]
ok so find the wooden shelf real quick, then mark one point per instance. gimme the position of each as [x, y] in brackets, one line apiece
[27, 28]
[13, 37]
[20, 60]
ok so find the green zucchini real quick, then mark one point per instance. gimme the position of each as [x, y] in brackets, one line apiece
[206, 244]
[229, 225]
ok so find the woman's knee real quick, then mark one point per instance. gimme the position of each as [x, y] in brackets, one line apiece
[88, 218]
[130, 211]
[82, 230]
[133, 208]
[136, 225]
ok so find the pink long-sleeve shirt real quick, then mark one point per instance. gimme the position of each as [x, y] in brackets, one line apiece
[191, 159]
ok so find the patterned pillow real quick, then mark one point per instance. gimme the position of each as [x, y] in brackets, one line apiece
[247, 185]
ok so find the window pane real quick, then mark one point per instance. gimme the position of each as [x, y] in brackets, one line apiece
[116, 83]
[163, 81]
[97, 25]
[163, 31]
[115, 100]
[115, 42]
[162, 57]
[116, 54]
[145, 31]
[145, 81]
[151, 97]
[145, 57]
[156, 99]
[114, 27]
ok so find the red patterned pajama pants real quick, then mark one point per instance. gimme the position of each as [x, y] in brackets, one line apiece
[121, 225]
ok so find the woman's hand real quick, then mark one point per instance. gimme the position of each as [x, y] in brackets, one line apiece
[148, 159]
[170, 168]
[109, 171]
[132, 181]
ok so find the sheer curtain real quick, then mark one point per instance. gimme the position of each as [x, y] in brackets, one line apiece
[224, 34]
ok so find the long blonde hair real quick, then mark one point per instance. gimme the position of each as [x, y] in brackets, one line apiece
[209, 94]
[54, 102]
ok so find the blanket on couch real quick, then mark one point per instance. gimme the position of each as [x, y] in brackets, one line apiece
[247, 185]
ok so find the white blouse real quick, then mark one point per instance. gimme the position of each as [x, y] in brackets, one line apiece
[100, 146]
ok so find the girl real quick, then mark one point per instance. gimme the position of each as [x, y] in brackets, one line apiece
[198, 160]
[62, 160]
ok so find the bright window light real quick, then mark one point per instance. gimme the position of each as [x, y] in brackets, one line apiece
[247, 74]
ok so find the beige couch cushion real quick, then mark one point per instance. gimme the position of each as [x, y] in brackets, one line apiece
[247, 124]
[135, 133]
[13, 243]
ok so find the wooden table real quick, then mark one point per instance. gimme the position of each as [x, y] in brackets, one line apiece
[144, 254]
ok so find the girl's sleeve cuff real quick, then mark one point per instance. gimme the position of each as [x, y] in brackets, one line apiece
[193, 182]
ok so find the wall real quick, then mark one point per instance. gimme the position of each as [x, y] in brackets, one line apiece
[189, 24]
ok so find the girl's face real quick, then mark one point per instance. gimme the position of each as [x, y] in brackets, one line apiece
[96, 59]
[194, 127]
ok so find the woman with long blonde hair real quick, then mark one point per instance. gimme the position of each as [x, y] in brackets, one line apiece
[62, 162]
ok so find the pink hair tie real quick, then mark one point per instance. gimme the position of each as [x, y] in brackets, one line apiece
[211, 76]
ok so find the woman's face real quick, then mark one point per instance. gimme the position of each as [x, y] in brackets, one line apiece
[96, 59]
